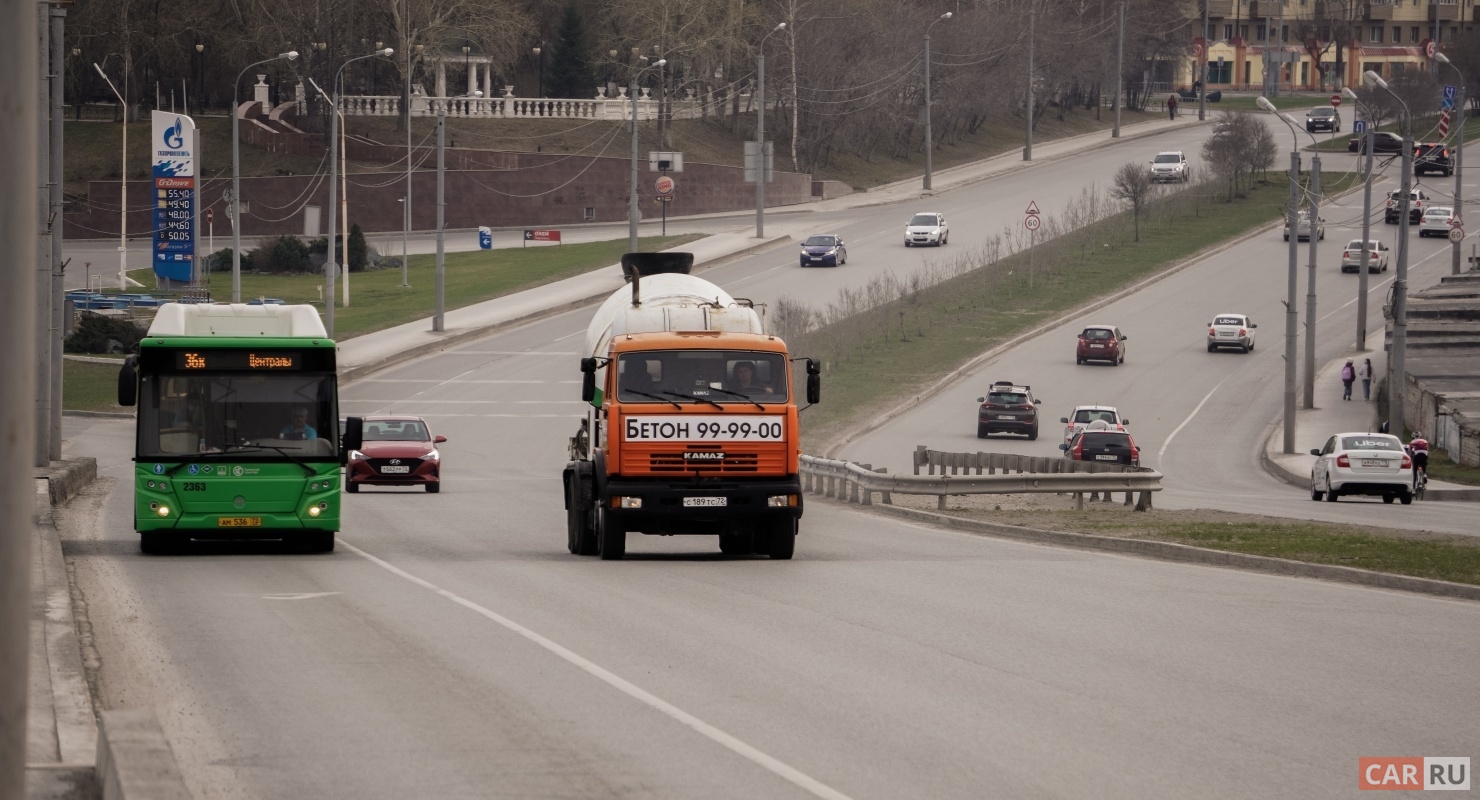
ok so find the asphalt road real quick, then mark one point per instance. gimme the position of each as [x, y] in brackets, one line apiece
[451, 647]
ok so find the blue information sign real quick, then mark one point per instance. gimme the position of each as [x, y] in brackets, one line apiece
[1359, 126]
[174, 196]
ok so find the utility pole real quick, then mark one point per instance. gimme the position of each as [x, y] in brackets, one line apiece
[406, 210]
[1366, 240]
[1396, 355]
[1119, 69]
[41, 335]
[929, 137]
[1459, 159]
[1310, 284]
[18, 218]
[54, 163]
[761, 173]
[1202, 63]
[331, 265]
[1028, 146]
[438, 324]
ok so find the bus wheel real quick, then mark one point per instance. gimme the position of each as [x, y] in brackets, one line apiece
[782, 539]
[611, 537]
[320, 541]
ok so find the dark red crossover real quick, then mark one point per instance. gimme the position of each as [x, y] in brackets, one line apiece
[1007, 408]
[396, 451]
[1100, 343]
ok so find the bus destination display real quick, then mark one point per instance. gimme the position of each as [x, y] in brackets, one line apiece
[268, 360]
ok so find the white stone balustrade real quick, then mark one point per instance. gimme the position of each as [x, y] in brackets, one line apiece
[510, 107]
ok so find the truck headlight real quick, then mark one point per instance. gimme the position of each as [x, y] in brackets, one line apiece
[781, 500]
[627, 502]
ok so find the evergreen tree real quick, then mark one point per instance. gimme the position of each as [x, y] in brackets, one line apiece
[568, 72]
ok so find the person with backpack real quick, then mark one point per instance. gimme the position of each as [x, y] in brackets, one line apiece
[1348, 376]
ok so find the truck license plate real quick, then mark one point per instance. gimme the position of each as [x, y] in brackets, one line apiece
[394, 470]
[704, 502]
[238, 522]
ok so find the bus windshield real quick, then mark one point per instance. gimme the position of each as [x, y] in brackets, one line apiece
[249, 416]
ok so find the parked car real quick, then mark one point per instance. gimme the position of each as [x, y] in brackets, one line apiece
[396, 451]
[1382, 142]
[927, 227]
[1007, 408]
[1084, 416]
[1169, 166]
[1323, 118]
[824, 250]
[1231, 330]
[1377, 256]
[1302, 227]
[1100, 343]
[1437, 220]
[1101, 444]
[1429, 157]
[1417, 199]
[1362, 463]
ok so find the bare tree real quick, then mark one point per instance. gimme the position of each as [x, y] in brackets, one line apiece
[1134, 186]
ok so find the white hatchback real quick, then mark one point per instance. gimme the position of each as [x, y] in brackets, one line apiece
[1084, 416]
[1437, 220]
[1231, 330]
[1362, 463]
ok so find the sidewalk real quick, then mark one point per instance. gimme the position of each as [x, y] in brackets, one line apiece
[1313, 426]
[361, 355]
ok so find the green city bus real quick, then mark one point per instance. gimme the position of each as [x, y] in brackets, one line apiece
[237, 431]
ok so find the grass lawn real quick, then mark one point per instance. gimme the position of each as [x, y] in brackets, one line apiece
[1443, 469]
[89, 387]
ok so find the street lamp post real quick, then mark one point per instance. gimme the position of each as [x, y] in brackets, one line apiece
[236, 177]
[1028, 129]
[539, 51]
[929, 138]
[200, 78]
[1459, 159]
[1398, 349]
[632, 212]
[1119, 69]
[1291, 316]
[760, 134]
[122, 184]
[1362, 271]
[1202, 63]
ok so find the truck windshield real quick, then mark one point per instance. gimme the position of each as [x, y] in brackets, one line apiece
[248, 416]
[704, 376]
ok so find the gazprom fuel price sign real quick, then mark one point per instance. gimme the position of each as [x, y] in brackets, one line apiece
[174, 144]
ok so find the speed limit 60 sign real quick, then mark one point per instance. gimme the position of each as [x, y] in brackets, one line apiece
[1031, 222]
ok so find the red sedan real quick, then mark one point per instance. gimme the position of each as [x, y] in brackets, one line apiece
[396, 451]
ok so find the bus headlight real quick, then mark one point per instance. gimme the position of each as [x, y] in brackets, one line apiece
[163, 511]
[313, 511]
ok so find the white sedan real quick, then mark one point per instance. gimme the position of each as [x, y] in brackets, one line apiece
[1437, 220]
[1377, 256]
[1231, 330]
[1362, 463]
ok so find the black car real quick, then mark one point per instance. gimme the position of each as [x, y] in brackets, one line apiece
[824, 250]
[1383, 142]
[1007, 408]
[1324, 118]
[1433, 158]
[1103, 446]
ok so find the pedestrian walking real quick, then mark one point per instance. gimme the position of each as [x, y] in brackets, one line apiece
[1172, 107]
[1365, 373]
[1348, 375]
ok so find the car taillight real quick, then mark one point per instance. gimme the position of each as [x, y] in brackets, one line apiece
[1343, 461]
[1212, 332]
[1345, 254]
[1243, 331]
[1407, 462]
[1079, 450]
[1025, 407]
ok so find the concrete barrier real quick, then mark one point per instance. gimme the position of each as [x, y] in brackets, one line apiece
[135, 761]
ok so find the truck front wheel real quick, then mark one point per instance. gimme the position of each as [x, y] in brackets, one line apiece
[611, 537]
[782, 539]
[739, 544]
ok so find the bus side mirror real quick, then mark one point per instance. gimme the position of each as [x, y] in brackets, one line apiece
[353, 439]
[814, 382]
[128, 382]
[588, 379]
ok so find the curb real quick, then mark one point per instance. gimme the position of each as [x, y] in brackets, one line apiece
[1283, 473]
[351, 374]
[1188, 554]
[70, 412]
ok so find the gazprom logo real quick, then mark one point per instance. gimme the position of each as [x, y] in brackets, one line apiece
[174, 137]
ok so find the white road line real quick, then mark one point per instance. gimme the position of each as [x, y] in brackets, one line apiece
[737, 746]
[1178, 429]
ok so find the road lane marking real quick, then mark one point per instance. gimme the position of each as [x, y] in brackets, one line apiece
[1176, 430]
[735, 745]
[298, 596]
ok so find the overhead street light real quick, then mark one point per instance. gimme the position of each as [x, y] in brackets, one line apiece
[632, 212]
[123, 185]
[929, 138]
[760, 133]
[1398, 349]
[1459, 157]
[236, 175]
[1291, 220]
[1369, 141]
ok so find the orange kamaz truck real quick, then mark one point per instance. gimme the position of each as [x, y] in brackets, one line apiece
[691, 425]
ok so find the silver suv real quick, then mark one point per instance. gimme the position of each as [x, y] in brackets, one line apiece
[1169, 166]
[926, 227]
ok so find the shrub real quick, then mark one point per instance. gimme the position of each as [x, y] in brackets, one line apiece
[96, 333]
[283, 254]
[220, 261]
[358, 254]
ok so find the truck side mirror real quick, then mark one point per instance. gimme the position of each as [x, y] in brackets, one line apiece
[588, 379]
[353, 439]
[814, 382]
[128, 382]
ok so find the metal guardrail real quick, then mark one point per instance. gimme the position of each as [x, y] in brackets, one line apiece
[857, 483]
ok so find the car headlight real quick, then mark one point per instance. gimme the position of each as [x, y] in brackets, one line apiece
[432, 456]
[356, 455]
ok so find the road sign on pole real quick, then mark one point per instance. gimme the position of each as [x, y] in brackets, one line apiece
[1335, 100]
[1444, 124]
[1031, 222]
[1359, 126]
[1032, 208]
[1456, 234]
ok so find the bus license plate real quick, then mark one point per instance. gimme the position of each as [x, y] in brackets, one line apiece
[238, 522]
[705, 502]
[395, 470]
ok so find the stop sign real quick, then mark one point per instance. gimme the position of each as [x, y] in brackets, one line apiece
[1335, 100]
[210, 215]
